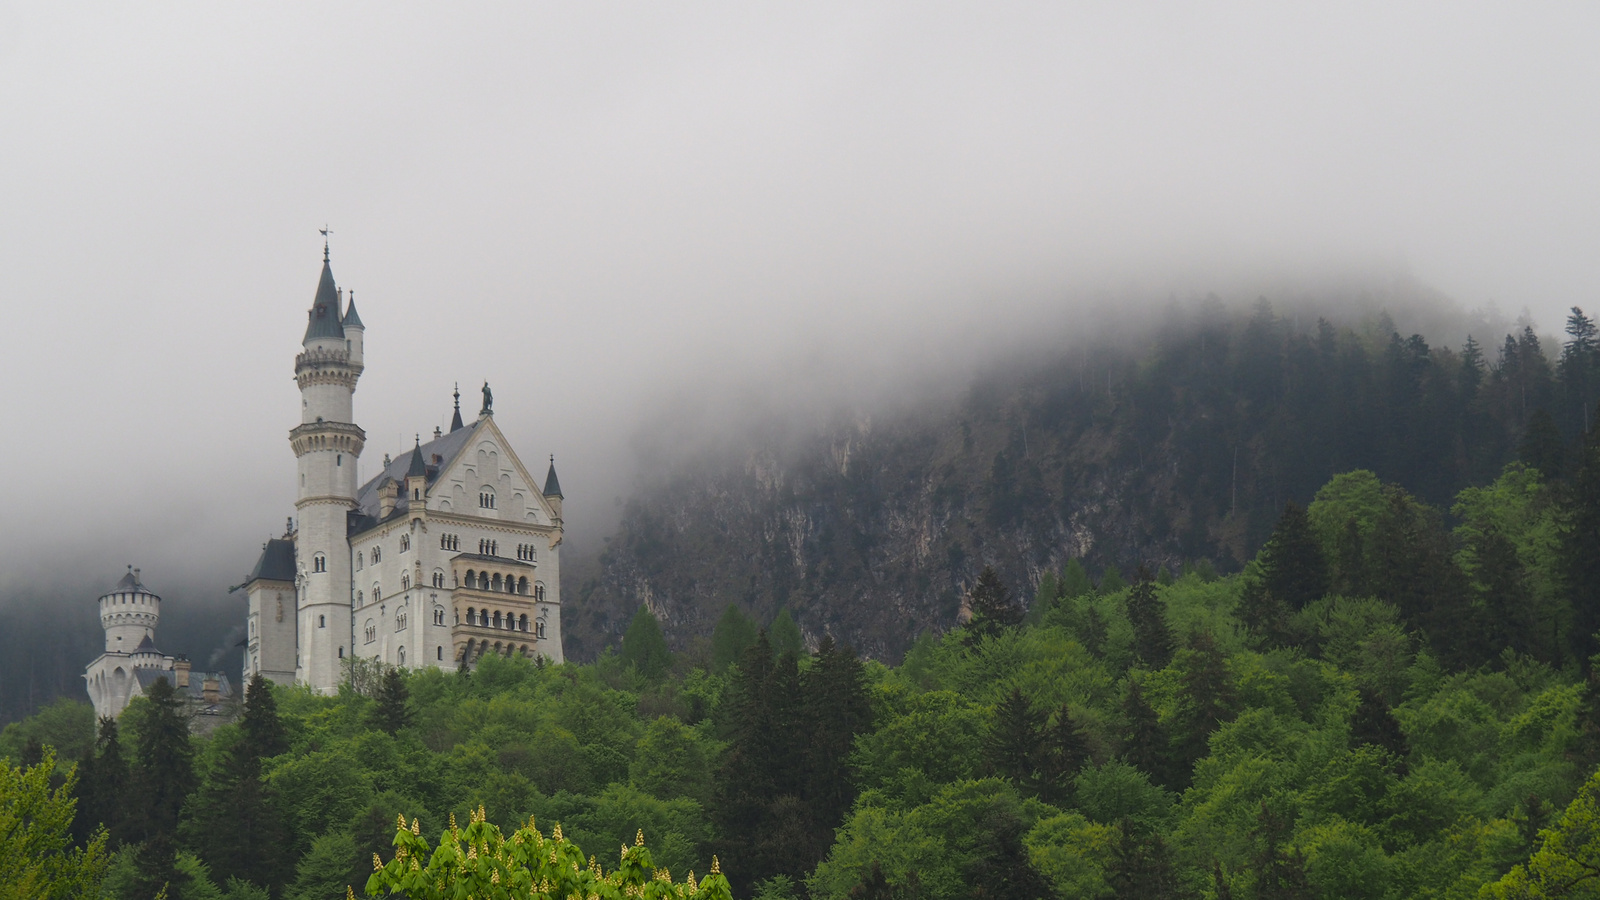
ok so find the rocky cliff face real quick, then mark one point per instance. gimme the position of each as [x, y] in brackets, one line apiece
[872, 527]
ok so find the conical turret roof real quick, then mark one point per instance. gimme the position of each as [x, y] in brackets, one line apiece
[324, 315]
[552, 484]
[419, 466]
[352, 319]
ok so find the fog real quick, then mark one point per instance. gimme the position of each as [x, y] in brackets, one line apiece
[602, 209]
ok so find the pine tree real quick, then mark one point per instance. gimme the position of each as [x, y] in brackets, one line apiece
[1014, 746]
[1066, 752]
[1280, 871]
[1144, 744]
[1542, 447]
[261, 725]
[644, 647]
[1292, 562]
[732, 636]
[390, 714]
[1505, 603]
[1263, 614]
[1152, 639]
[163, 774]
[1141, 867]
[1074, 581]
[837, 708]
[102, 783]
[1001, 869]
[993, 610]
[1111, 581]
[1207, 697]
[785, 634]
[1580, 549]
[1374, 723]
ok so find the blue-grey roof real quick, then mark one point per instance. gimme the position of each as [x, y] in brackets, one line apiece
[552, 484]
[352, 319]
[276, 562]
[146, 646]
[324, 314]
[447, 448]
[417, 466]
[194, 690]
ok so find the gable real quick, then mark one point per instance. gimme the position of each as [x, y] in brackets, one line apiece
[486, 465]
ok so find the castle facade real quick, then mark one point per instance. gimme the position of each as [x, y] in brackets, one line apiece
[450, 552]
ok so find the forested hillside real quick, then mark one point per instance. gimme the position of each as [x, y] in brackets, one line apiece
[1380, 704]
[1181, 442]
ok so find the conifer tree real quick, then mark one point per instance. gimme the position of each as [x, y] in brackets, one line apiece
[1263, 614]
[1504, 601]
[1542, 447]
[1074, 582]
[1093, 631]
[156, 865]
[390, 714]
[1207, 697]
[260, 723]
[1001, 869]
[1292, 563]
[1152, 639]
[993, 609]
[1014, 746]
[164, 772]
[1580, 549]
[644, 647]
[732, 636]
[785, 634]
[1374, 723]
[102, 785]
[837, 708]
[1141, 867]
[1066, 752]
[1280, 870]
[1144, 743]
[1111, 581]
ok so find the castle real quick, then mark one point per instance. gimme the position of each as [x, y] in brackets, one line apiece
[448, 553]
[129, 613]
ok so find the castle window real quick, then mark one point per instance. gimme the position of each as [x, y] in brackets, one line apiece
[540, 632]
[416, 493]
[405, 582]
[438, 579]
[319, 563]
[405, 543]
[472, 616]
[372, 631]
[339, 460]
[400, 621]
[522, 622]
[402, 657]
[438, 615]
[440, 651]
[483, 618]
[360, 598]
[377, 554]
[497, 618]
[495, 584]
[322, 621]
[538, 590]
[341, 656]
[449, 542]
[376, 594]
[486, 500]
[522, 585]
[360, 561]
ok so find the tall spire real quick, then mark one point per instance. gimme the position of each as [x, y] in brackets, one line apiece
[552, 484]
[455, 420]
[324, 316]
[418, 465]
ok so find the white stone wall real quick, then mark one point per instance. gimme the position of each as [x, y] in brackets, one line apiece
[270, 631]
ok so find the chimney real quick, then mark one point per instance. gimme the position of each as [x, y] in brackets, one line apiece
[211, 689]
[180, 673]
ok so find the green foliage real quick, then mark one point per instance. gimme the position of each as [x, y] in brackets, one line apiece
[734, 633]
[37, 858]
[390, 713]
[67, 725]
[644, 647]
[1294, 567]
[785, 634]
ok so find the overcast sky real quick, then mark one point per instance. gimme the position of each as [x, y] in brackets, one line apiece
[594, 205]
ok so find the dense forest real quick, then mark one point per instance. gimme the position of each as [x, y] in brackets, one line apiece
[1391, 699]
[1182, 440]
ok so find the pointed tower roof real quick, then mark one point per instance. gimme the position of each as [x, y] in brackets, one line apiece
[324, 315]
[419, 466]
[552, 484]
[455, 420]
[351, 318]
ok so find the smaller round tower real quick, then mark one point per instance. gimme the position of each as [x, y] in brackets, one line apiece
[129, 613]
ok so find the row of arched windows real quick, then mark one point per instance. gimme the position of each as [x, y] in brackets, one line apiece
[487, 547]
[486, 500]
[449, 542]
[483, 581]
[477, 650]
[483, 618]
[525, 553]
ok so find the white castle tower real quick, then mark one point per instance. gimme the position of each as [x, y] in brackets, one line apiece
[327, 444]
[129, 614]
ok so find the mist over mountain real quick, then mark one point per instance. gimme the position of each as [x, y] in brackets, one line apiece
[1139, 433]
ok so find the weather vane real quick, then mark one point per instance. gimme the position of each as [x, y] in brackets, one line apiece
[325, 231]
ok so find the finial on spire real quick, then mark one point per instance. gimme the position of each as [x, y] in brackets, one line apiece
[455, 420]
[419, 438]
[325, 231]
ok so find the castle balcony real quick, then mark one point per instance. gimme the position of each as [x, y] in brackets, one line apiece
[341, 436]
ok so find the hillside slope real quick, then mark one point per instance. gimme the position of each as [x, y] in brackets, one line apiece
[1182, 446]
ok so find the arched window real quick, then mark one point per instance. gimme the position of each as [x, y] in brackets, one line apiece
[360, 561]
[538, 590]
[522, 585]
[376, 594]
[472, 616]
[495, 584]
[497, 618]
[400, 620]
[372, 631]
[377, 554]
[405, 581]
[322, 621]
[522, 622]
[440, 650]
[438, 615]
[540, 632]
[472, 579]
[341, 652]
[361, 598]
[319, 563]
[405, 543]
[402, 656]
[416, 493]
[483, 618]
